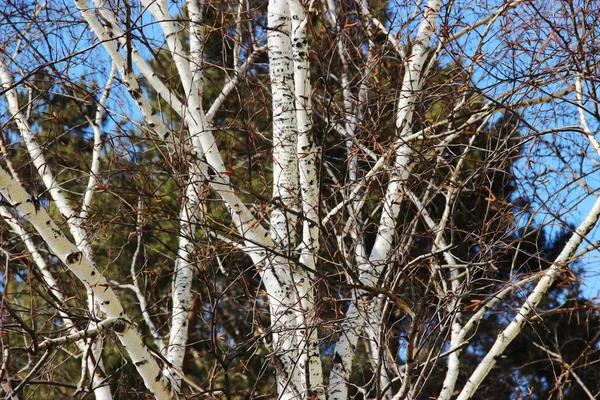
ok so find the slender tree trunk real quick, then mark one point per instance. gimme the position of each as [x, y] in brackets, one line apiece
[86, 272]
[371, 272]
[184, 273]
[75, 222]
[186, 257]
[285, 189]
[95, 367]
[308, 345]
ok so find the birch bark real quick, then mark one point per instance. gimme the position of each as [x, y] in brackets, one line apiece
[202, 139]
[39, 161]
[371, 271]
[186, 256]
[95, 368]
[87, 273]
[74, 221]
[520, 320]
[285, 189]
[560, 263]
[184, 274]
[308, 346]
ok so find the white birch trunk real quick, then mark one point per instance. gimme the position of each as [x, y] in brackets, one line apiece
[202, 138]
[285, 135]
[307, 152]
[520, 320]
[39, 161]
[294, 154]
[96, 371]
[285, 193]
[371, 272]
[195, 10]
[186, 256]
[184, 273]
[87, 273]
[310, 360]
[74, 221]
[96, 128]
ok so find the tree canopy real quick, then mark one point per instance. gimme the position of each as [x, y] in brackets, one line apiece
[290, 200]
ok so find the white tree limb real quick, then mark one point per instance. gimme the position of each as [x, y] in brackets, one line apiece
[519, 321]
[87, 273]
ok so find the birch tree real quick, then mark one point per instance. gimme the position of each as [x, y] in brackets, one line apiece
[299, 199]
